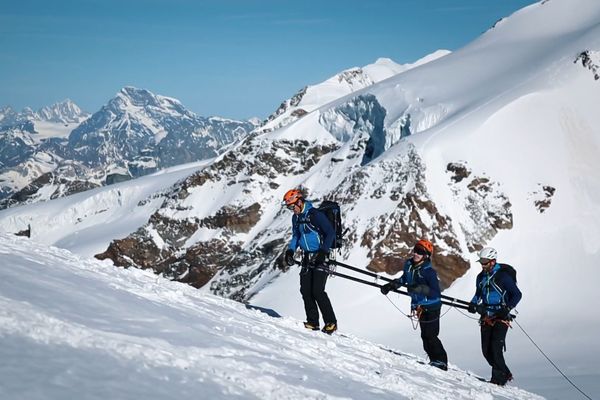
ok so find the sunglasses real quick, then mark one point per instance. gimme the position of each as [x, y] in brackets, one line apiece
[291, 206]
[484, 261]
[420, 251]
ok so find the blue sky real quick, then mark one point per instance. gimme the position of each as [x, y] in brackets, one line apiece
[233, 58]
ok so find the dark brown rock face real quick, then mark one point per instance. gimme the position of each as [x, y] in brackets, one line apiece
[136, 250]
[234, 220]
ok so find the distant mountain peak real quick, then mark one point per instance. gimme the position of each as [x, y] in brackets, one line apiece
[134, 93]
[134, 100]
[65, 111]
[136, 97]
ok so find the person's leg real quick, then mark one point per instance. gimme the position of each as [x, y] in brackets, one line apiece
[486, 338]
[500, 372]
[430, 329]
[310, 305]
[319, 294]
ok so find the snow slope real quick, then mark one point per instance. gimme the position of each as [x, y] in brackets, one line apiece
[87, 222]
[73, 327]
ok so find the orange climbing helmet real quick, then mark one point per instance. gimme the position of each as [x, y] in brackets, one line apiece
[292, 196]
[425, 245]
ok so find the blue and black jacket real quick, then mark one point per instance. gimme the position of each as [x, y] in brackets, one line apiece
[311, 230]
[421, 274]
[496, 289]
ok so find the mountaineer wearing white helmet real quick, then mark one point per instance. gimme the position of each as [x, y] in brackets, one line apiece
[496, 294]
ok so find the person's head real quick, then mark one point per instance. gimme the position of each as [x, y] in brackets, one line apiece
[487, 258]
[422, 250]
[293, 200]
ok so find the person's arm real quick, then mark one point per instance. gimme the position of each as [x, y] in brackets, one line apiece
[320, 221]
[295, 235]
[401, 281]
[394, 283]
[477, 298]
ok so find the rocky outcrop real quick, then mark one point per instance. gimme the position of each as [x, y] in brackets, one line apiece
[390, 237]
[591, 60]
[288, 106]
[54, 186]
[542, 197]
[487, 208]
[234, 220]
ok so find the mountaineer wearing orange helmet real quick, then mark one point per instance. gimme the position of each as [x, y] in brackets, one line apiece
[314, 234]
[422, 282]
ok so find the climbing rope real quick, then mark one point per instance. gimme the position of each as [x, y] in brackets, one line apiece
[552, 362]
[415, 318]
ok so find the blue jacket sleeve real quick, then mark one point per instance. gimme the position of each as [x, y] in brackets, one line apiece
[402, 280]
[295, 235]
[477, 298]
[432, 281]
[320, 221]
[513, 294]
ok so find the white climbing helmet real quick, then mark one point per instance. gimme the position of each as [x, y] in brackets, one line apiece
[488, 253]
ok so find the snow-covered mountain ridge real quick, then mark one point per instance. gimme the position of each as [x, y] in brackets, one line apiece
[65, 112]
[85, 327]
[135, 133]
[351, 80]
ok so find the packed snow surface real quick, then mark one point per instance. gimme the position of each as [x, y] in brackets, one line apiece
[74, 327]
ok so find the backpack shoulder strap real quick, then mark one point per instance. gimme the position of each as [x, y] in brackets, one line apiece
[507, 270]
[307, 220]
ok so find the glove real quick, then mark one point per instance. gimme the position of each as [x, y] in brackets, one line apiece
[320, 258]
[472, 308]
[481, 309]
[503, 313]
[289, 257]
[385, 289]
[418, 289]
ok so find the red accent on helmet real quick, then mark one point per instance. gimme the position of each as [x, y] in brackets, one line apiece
[292, 196]
[425, 244]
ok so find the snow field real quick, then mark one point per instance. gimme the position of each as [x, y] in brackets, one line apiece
[72, 325]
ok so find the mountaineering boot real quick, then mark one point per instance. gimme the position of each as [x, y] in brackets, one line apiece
[439, 364]
[329, 328]
[500, 378]
[311, 326]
